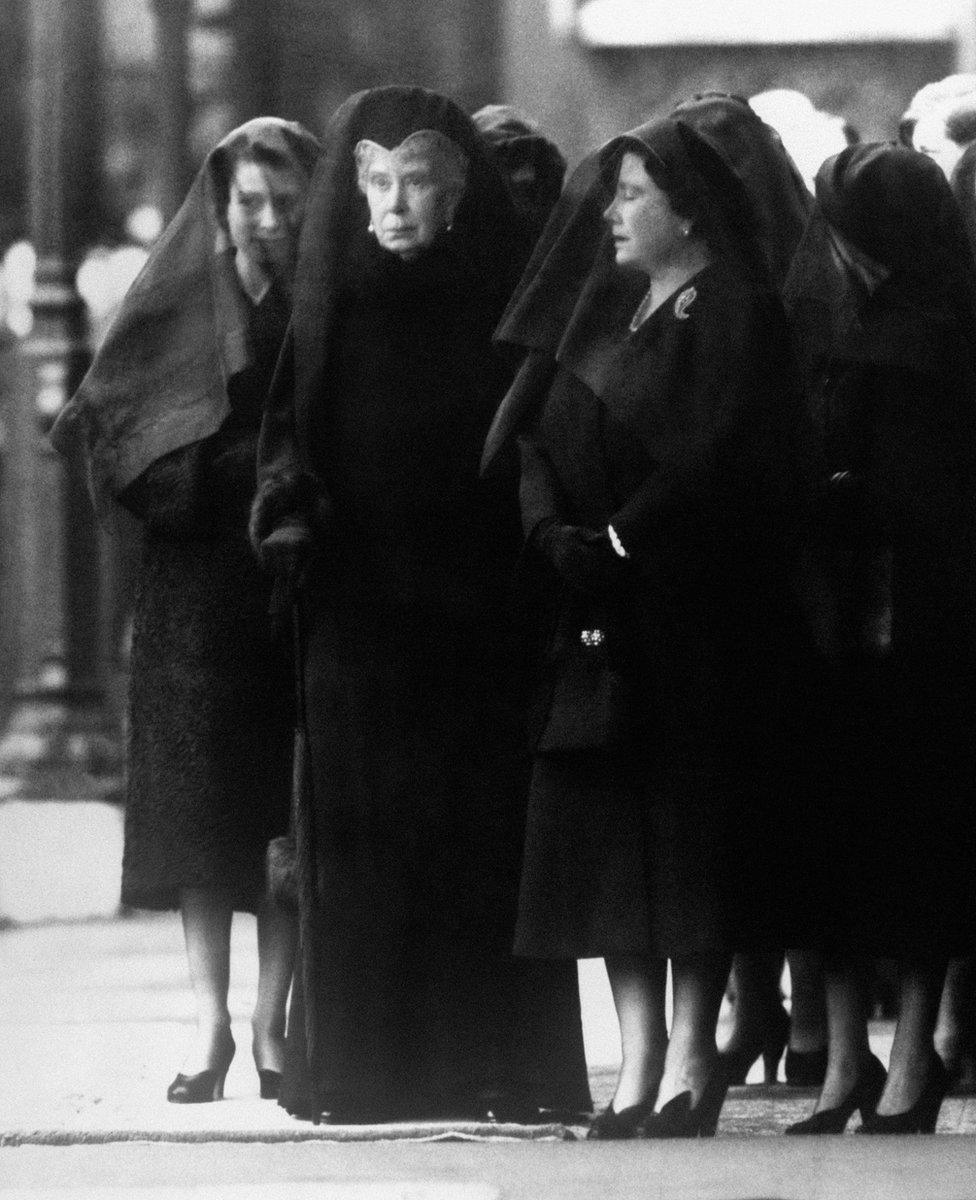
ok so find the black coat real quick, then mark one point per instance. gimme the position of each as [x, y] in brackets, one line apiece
[894, 823]
[891, 374]
[694, 453]
[166, 421]
[211, 713]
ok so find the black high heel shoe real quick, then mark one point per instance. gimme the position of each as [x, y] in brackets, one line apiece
[627, 1123]
[268, 1079]
[805, 1068]
[864, 1095]
[270, 1082]
[923, 1114]
[767, 1040]
[679, 1118]
[204, 1086]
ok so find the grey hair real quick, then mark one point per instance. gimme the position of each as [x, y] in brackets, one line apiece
[448, 160]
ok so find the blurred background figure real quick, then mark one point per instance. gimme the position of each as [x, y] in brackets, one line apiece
[533, 166]
[809, 135]
[940, 121]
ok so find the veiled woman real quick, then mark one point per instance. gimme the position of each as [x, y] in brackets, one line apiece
[168, 419]
[780, 206]
[889, 350]
[409, 1001]
[662, 467]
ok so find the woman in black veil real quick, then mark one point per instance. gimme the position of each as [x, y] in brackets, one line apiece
[408, 1000]
[663, 466]
[886, 335]
[167, 422]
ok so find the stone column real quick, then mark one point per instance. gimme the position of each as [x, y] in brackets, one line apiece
[175, 103]
[60, 745]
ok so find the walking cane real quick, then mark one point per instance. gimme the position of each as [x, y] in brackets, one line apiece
[284, 865]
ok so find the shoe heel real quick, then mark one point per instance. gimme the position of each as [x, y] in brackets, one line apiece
[771, 1057]
[270, 1083]
[871, 1089]
[203, 1086]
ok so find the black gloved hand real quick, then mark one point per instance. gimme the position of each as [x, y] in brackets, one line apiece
[288, 550]
[583, 558]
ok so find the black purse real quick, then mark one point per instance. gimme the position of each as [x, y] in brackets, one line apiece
[589, 689]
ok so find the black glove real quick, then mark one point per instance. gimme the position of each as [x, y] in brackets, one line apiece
[287, 550]
[583, 558]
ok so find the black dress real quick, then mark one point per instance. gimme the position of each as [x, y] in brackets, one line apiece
[409, 999]
[661, 845]
[211, 714]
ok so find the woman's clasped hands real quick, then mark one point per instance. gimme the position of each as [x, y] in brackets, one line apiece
[583, 558]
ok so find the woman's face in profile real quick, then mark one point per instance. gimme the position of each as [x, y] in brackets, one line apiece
[646, 230]
[408, 205]
[264, 213]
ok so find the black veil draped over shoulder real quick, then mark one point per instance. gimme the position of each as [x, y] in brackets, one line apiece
[408, 999]
[159, 380]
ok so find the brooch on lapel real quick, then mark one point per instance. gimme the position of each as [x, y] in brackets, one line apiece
[684, 302]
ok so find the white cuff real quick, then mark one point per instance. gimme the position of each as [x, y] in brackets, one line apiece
[617, 544]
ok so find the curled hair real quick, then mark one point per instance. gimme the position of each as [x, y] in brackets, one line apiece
[448, 161]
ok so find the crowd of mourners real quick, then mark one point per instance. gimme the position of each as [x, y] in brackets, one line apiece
[537, 570]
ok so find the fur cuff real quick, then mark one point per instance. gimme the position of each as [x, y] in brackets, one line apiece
[288, 495]
[282, 872]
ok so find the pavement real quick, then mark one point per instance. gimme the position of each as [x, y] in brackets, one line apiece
[94, 1017]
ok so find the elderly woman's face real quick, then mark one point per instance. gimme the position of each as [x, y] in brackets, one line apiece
[929, 137]
[408, 204]
[264, 212]
[646, 230]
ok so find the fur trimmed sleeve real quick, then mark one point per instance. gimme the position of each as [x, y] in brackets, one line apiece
[288, 497]
[288, 493]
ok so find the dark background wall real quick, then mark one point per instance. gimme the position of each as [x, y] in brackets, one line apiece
[329, 48]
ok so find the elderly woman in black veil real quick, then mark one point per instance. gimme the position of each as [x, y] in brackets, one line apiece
[662, 469]
[409, 1001]
[887, 335]
[167, 420]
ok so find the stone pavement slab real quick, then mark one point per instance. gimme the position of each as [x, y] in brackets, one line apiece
[731, 1168]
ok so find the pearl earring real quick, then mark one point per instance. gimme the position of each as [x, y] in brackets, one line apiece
[369, 228]
[686, 231]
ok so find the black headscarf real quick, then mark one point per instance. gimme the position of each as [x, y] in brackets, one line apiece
[485, 233]
[779, 201]
[159, 380]
[573, 304]
[515, 143]
[894, 205]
